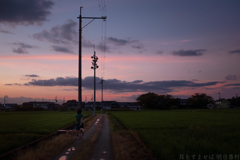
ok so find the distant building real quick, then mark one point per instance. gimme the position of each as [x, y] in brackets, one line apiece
[122, 104]
[40, 104]
[222, 103]
[56, 107]
[89, 106]
[183, 102]
[10, 106]
[73, 104]
[133, 106]
[2, 108]
[103, 105]
[34, 104]
[109, 104]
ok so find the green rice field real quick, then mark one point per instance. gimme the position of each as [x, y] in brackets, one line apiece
[187, 134]
[19, 128]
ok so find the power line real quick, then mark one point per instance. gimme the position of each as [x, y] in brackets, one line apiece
[103, 56]
[102, 7]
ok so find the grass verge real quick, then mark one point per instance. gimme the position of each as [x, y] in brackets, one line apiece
[126, 144]
[20, 128]
[15, 140]
[47, 150]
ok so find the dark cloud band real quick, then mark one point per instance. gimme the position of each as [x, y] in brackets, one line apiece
[25, 11]
[62, 49]
[235, 52]
[6, 32]
[60, 34]
[31, 75]
[122, 86]
[22, 48]
[187, 53]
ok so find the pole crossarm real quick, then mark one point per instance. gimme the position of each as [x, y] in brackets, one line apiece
[93, 18]
[103, 17]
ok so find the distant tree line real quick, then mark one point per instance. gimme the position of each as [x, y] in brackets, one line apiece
[155, 101]
[27, 108]
[234, 101]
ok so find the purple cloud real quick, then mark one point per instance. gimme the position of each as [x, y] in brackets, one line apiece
[26, 12]
[189, 53]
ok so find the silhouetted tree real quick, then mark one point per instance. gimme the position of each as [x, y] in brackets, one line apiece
[73, 100]
[167, 102]
[234, 101]
[154, 101]
[200, 100]
[148, 100]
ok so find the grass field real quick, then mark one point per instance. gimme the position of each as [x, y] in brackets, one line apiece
[180, 133]
[19, 128]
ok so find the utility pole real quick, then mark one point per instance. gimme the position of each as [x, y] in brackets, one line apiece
[80, 54]
[5, 100]
[63, 100]
[94, 67]
[102, 88]
[237, 100]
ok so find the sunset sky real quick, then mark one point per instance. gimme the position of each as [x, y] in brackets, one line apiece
[177, 47]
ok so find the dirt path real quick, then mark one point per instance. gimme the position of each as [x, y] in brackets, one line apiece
[102, 149]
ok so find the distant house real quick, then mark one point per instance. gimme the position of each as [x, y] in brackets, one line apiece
[123, 104]
[183, 102]
[10, 106]
[222, 103]
[133, 106]
[41, 104]
[73, 104]
[34, 104]
[109, 104]
[90, 105]
[56, 106]
[2, 108]
[130, 105]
